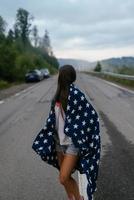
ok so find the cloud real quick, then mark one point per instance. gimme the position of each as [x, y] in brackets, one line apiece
[81, 26]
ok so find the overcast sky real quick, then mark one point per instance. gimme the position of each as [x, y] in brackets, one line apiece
[84, 29]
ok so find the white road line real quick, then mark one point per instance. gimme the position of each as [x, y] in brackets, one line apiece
[17, 94]
[1, 101]
[120, 87]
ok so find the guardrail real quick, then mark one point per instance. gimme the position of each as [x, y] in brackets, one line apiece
[123, 76]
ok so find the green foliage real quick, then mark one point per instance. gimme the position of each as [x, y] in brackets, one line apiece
[17, 53]
[98, 67]
[4, 84]
[7, 62]
[22, 25]
[126, 70]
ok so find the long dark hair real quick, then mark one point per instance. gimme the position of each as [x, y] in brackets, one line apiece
[66, 76]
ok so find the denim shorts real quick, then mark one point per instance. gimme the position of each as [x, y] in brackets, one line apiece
[67, 149]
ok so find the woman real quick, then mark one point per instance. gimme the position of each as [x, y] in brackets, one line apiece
[66, 151]
[70, 139]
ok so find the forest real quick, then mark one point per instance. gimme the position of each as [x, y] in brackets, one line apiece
[22, 49]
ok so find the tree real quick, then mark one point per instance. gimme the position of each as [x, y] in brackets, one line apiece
[35, 35]
[7, 62]
[2, 26]
[45, 44]
[98, 67]
[22, 25]
[10, 36]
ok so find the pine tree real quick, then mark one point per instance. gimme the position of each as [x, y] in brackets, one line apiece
[98, 67]
[35, 35]
[23, 25]
[46, 44]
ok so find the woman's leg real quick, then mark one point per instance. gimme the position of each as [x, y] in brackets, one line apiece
[68, 163]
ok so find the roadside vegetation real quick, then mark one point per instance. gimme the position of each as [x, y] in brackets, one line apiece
[22, 49]
[119, 80]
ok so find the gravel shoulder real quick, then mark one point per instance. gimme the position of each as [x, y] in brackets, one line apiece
[5, 93]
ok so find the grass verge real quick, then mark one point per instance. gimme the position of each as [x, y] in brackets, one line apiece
[120, 81]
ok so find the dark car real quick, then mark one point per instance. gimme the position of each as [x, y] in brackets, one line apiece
[34, 75]
[46, 73]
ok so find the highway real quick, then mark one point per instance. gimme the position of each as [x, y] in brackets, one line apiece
[24, 176]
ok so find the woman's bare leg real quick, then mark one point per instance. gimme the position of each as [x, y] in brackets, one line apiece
[67, 164]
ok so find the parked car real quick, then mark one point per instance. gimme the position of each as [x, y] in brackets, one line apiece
[34, 75]
[46, 73]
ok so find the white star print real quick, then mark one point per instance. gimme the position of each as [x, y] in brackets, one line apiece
[80, 107]
[75, 92]
[68, 107]
[79, 141]
[94, 157]
[93, 112]
[82, 131]
[69, 120]
[49, 120]
[92, 167]
[76, 126]
[41, 135]
[87, 104]
[45, 141]
[88, 129]
[85, 114]
[96, 137]
[49, 148]
[49, 133]
[75, 134]
[91, 145]
[97, 162]
[36, 142]
[82, 98]
[91, 121]
[78, 116]
[73, 111]
[40, 148]
[75, 101]
[83, 123]
[82, 165]
[66, 129]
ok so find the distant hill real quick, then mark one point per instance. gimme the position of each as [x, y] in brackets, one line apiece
[115, 64]
[123, 65]
[77, 63]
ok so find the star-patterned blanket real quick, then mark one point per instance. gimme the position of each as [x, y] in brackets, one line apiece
[82, 125]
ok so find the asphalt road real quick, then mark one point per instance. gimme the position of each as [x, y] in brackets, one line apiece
[116, 109]
[24, 176]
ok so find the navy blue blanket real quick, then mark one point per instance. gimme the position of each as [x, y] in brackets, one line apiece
[82, 125]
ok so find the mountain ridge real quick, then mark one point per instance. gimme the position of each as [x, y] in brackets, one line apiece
[111, 64]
